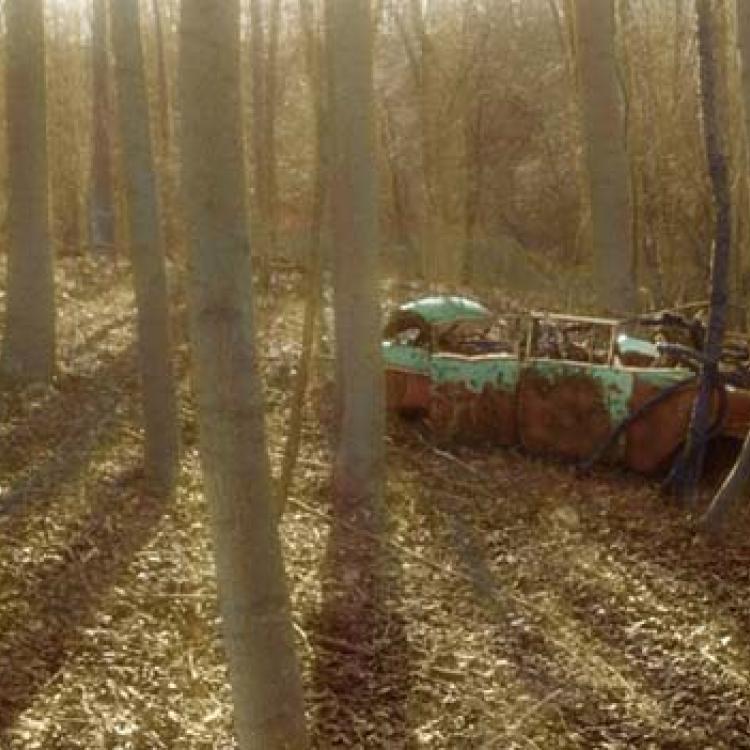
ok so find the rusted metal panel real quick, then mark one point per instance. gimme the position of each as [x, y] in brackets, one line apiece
[460, 413]
[473, 399]
[652, 440]
[562, 412]
[407, 391]
[737, 420]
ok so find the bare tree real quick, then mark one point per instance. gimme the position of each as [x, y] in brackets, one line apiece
[689, 467]
[157, 381]
[29, 344]
[315, 260]
[162, 78]
[253, 595]
[264, 84]
[66, 99]
[736, 483]
[606, 156]
[167, 178]
[102, 212]
[359, 463]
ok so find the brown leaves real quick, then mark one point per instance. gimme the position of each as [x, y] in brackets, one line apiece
[519, 606]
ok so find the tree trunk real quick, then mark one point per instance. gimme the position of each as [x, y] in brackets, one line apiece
[421, 57]
[167, 177]
[29, 345]
[354, 201]
[732, 491]
[355, 606]
[253, 594]
[271, 199]
[315, 261]
[735, 486]
[689, 467]
[161, 453]
[264, 84]
[566, 33]
[102, 219]
[743, 44]
[258, 132]
[605, 155]
[63, 126]
[162, 80]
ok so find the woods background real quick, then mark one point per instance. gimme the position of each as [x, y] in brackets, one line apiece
[480, 148]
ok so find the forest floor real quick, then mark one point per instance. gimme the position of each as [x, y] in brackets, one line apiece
[520, 606]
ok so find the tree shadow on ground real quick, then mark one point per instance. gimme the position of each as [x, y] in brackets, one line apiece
[653, 669]
[60, 597]
[553, 678]
[79, 415]
[362, 666]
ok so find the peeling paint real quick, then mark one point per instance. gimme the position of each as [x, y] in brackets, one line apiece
[406, 357]
[476, 373]
[616, 384]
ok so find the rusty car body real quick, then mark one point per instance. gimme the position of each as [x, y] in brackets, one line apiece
[553, 384]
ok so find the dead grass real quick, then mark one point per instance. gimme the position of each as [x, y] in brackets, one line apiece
[516, 606]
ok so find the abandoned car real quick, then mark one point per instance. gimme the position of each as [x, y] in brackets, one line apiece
[553, 384]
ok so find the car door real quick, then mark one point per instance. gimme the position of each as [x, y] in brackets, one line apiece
[473, 398]
[568, 408]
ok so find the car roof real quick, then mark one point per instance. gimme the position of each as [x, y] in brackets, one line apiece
[446, 309]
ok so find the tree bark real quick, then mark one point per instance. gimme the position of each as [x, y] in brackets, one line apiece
[253, 595]
[30, 339]
[743, 44]
[606, 157]
[161, 451]
[102, 212]
[689, 467]
[354, 201]
[354, 596]
[736, 484]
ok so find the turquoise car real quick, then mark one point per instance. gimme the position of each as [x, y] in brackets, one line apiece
[553, 384]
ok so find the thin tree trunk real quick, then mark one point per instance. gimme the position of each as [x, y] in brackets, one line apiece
[161, 452]
[473, 126]
[399, 188]
[63, 52]
[735, 486]
[732, 491]
[263, 80]
[315, 264]
[605, 155]
[304, 366]
[29, 341]
[566, 30]
[253, 595]
[271, 198]
[167, 177]
[421, 61]
[162, 80]
[102, 213]
[689, 467]
[743, 43]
